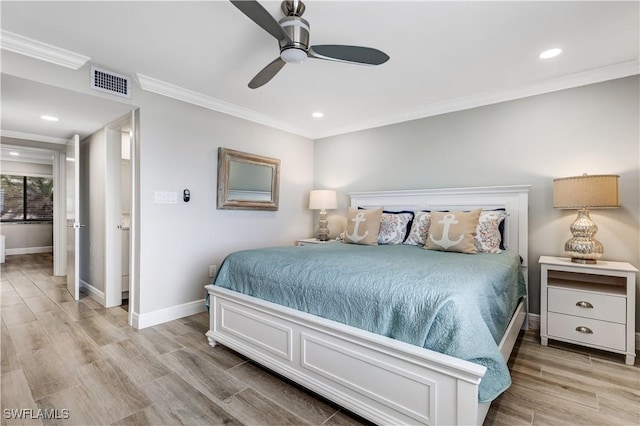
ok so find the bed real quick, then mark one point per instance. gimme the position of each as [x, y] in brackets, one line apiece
[383, 379]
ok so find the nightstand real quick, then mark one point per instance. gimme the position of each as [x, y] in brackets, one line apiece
[307, 241]
[591, 305]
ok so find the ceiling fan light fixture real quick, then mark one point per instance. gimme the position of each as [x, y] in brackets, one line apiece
[293, 55]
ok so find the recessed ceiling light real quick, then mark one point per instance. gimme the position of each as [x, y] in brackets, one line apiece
[551, 53]
[15, 154]
[49, 118]
[318, 114]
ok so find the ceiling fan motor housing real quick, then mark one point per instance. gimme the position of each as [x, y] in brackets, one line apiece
[298, 31]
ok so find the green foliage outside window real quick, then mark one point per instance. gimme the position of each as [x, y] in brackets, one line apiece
[25, 198]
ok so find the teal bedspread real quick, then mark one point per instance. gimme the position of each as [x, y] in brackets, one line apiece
[457, 304]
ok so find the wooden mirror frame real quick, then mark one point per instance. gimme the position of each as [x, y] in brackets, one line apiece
[225, 157]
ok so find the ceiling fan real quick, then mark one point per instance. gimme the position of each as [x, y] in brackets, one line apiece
[292, 33]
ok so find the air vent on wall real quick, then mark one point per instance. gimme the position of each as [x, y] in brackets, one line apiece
[110, 82]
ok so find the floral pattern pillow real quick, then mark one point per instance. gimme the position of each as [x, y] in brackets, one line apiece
[393, 227]
[488, 238]
[419, 229]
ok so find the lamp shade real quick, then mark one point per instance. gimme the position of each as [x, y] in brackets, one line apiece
[323, 199]
[586, 191]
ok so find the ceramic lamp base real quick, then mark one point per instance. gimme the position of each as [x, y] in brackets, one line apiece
[583, 247]
[323, 231]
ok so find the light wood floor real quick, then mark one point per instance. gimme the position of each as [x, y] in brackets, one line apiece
[60, 354]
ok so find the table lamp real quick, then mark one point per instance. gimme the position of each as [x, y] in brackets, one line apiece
[322, 199]
[582, 193]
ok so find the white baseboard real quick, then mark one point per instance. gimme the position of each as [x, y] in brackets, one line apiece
[93, 292]
[168, 314]
[29, 250]
[534, 321]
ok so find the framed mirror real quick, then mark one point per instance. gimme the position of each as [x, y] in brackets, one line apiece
[247, 181]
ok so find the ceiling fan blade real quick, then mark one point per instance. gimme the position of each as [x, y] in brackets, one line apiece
[260, 16]
[352, 54]
[267, 73]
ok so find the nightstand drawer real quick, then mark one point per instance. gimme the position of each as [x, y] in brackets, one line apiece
[597, 333]
[588, 304]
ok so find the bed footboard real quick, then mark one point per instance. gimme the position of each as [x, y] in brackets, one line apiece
[381, 379]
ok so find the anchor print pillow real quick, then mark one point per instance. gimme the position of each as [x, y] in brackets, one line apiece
[363, 226]
[453, 231]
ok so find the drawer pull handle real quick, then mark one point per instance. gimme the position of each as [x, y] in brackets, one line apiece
[583, 304]
[585, 330]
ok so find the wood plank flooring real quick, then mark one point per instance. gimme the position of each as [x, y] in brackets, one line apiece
[60, 354]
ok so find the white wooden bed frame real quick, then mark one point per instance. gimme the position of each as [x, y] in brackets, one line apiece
[379, 378]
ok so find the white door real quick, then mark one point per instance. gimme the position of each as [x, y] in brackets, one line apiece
[73, 220]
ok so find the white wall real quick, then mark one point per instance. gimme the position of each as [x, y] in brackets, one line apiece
[592, 129]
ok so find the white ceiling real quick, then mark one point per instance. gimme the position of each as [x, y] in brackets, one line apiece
[24, 101]
[444, 55]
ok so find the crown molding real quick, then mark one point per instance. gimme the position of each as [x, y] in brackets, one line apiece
[169, 90]
[46, 52]
[43, 51]
[597, 75]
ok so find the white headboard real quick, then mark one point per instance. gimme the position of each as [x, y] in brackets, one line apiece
[514, 199]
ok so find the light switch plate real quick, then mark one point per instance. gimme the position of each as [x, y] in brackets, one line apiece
[165, 197]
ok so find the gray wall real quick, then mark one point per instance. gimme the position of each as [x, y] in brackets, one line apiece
[591, 129]
[179, 150]
[24, 238]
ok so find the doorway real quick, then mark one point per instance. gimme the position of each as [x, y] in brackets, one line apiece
[106, 207]
[78, 112]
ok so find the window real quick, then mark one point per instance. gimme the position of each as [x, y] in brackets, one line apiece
[25, 198]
